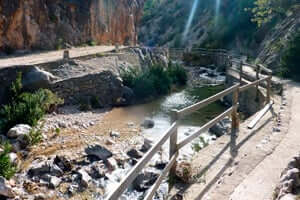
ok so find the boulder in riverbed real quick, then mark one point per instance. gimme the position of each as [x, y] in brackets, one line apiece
[19, 130]
[5, 189]
[98, 151]
[148, 123]
[133, 153]
[144, 181]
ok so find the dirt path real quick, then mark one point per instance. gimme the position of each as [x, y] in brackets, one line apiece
[51, 56]
[252, 172]
[267, 173]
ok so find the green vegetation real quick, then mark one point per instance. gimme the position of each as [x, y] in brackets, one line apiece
[155, 81]
[289, 66]
[26, 108]
[59, 44]
[200, 145]
[266, 10]
[177, 74]
[35, 136]
[7, 169]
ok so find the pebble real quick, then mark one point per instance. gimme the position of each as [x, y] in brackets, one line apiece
[114, 134]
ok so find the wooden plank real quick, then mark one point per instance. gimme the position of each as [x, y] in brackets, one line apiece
[241, 71]
[204, 128]
[163, 174]
[260, 115]
[117, 192]
[197, 106]
[265, 69]
[245, 87]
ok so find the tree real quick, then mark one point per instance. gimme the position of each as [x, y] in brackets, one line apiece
[265, 10]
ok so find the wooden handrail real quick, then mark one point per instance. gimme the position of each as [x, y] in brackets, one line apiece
[183, 112]
[117, 192]
[245, 87]
[205, 128]
[171, 133]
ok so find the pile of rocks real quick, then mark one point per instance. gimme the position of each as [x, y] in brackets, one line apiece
[62, 177]
[289, 183]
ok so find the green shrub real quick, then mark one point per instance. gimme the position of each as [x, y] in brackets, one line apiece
[152, 82]
[160, 78]
[26, 108]
[35, 136]
[155, 81]
[177, 74]
[143, 86]
[7, 169]
[289, 66]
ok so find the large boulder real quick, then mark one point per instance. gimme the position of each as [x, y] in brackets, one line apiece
[98, 151]
[5, 190]
[19, 131]
[37, 78]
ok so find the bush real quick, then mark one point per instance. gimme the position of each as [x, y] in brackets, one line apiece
[155, 81]
[26, 108]
[289, 66]
[160, 78]
[177, 74]
[35, 136]
[7, 169]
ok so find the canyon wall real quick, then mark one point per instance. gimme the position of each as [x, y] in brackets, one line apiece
[50, 24]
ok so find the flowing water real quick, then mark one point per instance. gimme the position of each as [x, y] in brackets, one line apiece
[159, 111]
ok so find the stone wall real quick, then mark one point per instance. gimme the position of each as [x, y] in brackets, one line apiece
[105, 86]
[84, 78]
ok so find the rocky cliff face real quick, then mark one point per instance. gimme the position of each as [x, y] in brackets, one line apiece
[48, 24]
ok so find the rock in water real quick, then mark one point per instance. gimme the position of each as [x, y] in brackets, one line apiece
[144, 181]
[100, 152]
[19, 130]
[5, 190]
[148, 123]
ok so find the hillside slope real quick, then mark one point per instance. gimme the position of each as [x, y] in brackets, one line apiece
[228, 25]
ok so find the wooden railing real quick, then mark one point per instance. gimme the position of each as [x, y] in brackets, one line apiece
[171, 134]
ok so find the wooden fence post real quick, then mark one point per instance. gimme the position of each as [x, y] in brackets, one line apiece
[235, 116]
[257, 78]
[269, 89]
[241, 71]
[66, 55]
[173, 145]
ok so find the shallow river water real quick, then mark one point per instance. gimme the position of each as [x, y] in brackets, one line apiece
[159, 111]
